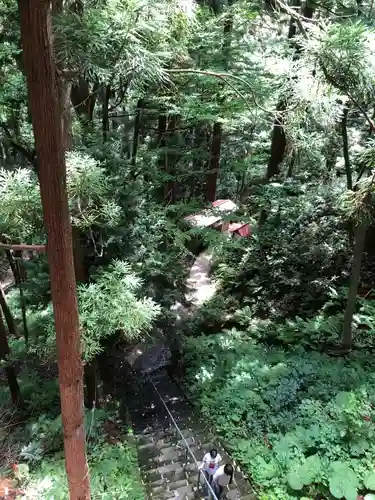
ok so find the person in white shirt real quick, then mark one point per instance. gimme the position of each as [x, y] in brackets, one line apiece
[210, 464]
[222, 478]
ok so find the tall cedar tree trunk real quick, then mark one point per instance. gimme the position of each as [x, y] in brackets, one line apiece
[278, 140]
[7, 314]
[14, 388]
[217, 133]
[347, 335]
[35, 23]
[214, 163]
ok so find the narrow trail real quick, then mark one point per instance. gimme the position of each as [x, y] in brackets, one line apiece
[200, 284]
[168, 473]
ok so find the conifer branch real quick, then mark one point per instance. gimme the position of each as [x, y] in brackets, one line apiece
[224, 76]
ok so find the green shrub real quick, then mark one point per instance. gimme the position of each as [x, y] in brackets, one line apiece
[301, 423]
[112, 459]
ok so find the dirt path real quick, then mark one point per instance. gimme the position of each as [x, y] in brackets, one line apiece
[200, 284]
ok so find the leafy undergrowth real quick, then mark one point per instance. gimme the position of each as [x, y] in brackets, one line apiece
[302, 423]
[32, 457]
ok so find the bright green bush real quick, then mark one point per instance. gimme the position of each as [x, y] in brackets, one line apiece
[35, 444]
[112, 459]
[301, 423]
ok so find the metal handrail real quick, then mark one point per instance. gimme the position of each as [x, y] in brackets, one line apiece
[214, 496]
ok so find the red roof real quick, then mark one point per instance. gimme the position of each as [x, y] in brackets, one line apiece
[218, 202]
[224, 205]
[240, 228]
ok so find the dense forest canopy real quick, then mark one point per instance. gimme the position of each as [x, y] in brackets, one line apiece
[150, 111]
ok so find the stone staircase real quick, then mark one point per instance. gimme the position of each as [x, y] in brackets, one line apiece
[167, 470]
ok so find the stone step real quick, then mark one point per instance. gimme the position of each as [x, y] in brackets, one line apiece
[182, 493]
[233, 494]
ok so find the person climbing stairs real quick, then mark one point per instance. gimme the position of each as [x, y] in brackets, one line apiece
[168, 469]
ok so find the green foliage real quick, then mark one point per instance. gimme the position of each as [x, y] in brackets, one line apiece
[107, 306]
[35, 444]
[20, 211]
[113, 465]
[297, 251]
[89, 193]
[298, 420]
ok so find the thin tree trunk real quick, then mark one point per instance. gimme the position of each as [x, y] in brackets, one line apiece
[105, 114]
[347, 335]
[35, 22]
[14, 388]
[173, 155]
[200, 158]
[83, 100]
[345, 146]
[64, 89]
[7, 314]
[19, 275]
[162, 156]
[137, 122]
[214, 163]
[278, 140]
[82, 276]
[348, 170]
[91, 383]
[278, 143]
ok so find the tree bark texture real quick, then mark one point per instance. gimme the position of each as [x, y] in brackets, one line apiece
[347, 335]
[214, 162]
[14, 388]
[35, 21]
